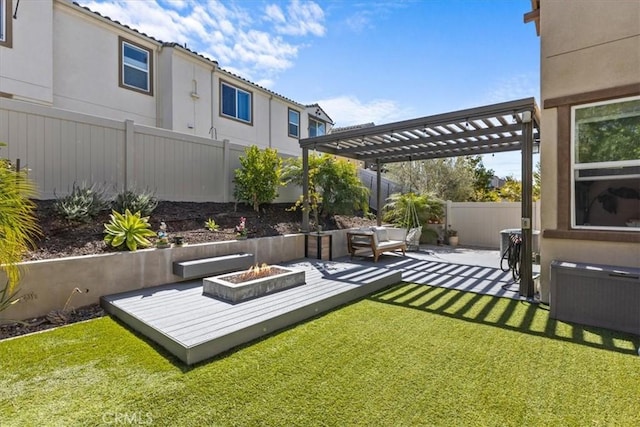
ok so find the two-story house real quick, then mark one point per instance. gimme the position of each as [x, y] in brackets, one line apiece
[58, 54]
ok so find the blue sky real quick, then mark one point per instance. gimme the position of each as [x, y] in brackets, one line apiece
[362, 61]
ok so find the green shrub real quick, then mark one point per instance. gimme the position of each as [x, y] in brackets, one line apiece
[128, 231]
[142, 202]
[83, 204]
[258, 178]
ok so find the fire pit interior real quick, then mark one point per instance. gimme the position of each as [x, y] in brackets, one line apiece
[252, 283]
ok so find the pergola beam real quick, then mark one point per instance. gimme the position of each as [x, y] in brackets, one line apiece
[507, 126]
[463, 116]
[430, 139]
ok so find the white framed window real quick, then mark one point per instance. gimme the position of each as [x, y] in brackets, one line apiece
[294, 123]
[136, 67]
[5, 23]
[316, 127]
[235, 102]
[605, 165]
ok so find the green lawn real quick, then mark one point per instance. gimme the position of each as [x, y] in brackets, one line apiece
[411, 355]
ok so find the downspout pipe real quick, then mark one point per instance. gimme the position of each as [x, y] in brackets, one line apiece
[270, 99]
[212, 129]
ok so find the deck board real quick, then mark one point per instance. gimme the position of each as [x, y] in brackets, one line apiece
[195, 327]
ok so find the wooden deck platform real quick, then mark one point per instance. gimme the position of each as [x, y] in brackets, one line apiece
[195, 327]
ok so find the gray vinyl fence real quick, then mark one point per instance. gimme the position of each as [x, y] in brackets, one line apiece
[479, 223]
[61, 148]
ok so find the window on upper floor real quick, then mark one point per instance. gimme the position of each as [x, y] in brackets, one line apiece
[136, 67]
[235, 102]
[316, 127]
[294, 123]
[5, 23]
[605, 161]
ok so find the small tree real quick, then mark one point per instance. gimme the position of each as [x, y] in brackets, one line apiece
[18, 227]
[293, 173]
[511, 191]
[342, 190]
[334, 187]
[258, 179]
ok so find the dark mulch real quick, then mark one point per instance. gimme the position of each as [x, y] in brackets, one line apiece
[14, 329]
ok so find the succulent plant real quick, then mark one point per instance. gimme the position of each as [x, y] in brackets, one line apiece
[128, 231]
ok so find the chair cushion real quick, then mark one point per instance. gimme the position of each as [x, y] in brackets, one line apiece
[381, 234]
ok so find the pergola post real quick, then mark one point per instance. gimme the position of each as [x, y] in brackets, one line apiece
[526, 262]
[378, 193]
[305, 190]
[473, 131]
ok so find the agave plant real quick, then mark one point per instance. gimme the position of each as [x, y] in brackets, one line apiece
[128, 231]
[144, 202]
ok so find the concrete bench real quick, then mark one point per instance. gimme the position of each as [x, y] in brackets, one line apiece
[213, 266]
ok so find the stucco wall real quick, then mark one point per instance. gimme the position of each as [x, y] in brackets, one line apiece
[26, 68]
[185, 92]
[586, 45]
[269, 126]
[85, 68]
[46, 285]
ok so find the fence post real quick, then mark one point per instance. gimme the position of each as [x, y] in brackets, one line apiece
[129, 153]
[447, 215]
[226, 167]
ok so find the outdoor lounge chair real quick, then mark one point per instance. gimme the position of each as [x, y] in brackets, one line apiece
[378, 240]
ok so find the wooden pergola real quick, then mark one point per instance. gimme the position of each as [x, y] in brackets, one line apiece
[507, 126]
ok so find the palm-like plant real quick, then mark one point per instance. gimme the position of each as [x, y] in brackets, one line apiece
[18, 227]
[334, 187]
[397, 209]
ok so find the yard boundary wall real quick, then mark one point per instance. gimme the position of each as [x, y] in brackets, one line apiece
[47, 284]
[479, 223]
[61, 148]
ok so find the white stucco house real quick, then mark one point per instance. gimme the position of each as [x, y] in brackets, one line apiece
[58, 54]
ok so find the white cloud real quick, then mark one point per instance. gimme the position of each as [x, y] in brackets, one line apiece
[302, 18]
[274, 13]
[515, 87]
[178, 4]
[351, 111]
[358, 21]
[224, 32]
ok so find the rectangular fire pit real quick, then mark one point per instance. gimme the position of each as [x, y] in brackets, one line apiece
[235, 287]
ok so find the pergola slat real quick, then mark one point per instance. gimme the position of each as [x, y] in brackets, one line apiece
[507, 126]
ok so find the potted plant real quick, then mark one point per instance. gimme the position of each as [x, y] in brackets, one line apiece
[452, 236]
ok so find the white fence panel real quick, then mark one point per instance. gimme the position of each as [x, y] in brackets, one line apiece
[61, 148]
[479, 223]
